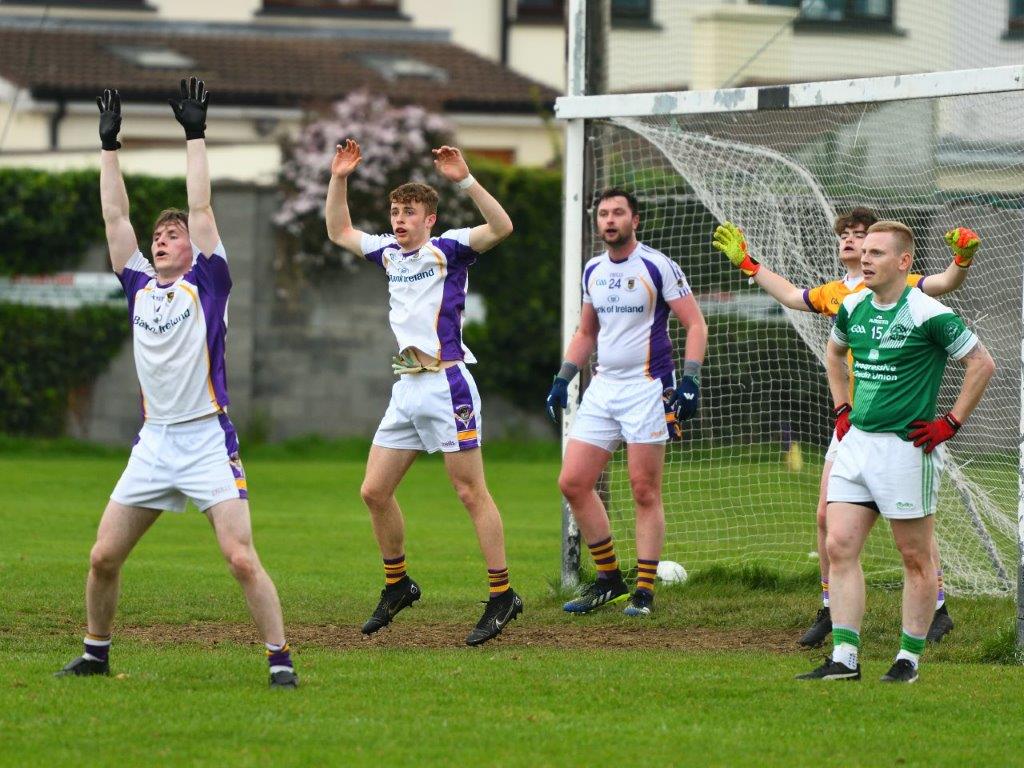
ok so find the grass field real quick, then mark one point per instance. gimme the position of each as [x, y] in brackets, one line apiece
[706, 681]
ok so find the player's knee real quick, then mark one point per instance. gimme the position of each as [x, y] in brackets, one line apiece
[472, 495]
[840, 548]
[646, 495]
[373, 496]
[243, 563]
[822, 515]
[105, 561]
[571, 487]
[917, 560]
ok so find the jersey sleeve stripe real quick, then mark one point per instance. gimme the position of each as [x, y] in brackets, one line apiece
[807, 300]
[962, 344]
[838, 337]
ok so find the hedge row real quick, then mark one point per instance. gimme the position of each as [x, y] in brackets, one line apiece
[50, 220]
[48, 353]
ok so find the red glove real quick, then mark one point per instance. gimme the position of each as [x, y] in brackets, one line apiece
[931, 433]
[842, 414]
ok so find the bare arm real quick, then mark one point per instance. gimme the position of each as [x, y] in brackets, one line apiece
[202, 227]
[979, 367]
[121, 240]
[584, 341]
[780, 289]
[692, 319]
[339, 221]
[944, 282]
[838, 373]
[450, 162]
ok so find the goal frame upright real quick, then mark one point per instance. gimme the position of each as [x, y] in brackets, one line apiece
[575, 109]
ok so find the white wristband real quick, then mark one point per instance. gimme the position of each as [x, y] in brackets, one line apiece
[466, 183]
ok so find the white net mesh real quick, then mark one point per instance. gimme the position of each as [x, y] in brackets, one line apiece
[734, 494]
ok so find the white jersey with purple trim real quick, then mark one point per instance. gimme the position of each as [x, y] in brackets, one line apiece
[631, 300]
[179, 332]
[428, 291]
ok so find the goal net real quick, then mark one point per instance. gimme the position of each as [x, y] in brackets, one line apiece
[742, 487]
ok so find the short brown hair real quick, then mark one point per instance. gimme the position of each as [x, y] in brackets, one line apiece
[631, 201]
[904, 235]
[171, 215]
[859, 215]
[414, 192]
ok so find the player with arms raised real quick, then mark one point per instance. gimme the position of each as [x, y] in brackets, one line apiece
[890, 457]
[187, 448]
[851, 229]
[628, 292]
[434, 404]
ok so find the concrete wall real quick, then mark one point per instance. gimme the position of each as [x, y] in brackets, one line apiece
[311, 360]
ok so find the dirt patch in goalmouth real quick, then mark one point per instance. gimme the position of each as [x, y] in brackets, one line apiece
[445, 635]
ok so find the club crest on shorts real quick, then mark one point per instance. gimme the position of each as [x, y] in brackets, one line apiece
[464, 413]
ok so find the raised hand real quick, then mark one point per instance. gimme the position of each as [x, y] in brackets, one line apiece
[963, 242]
[346, 157]
[110, 119]
[190, 109]
[450, 163]
[730, 240]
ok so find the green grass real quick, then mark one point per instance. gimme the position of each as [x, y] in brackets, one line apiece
[187, 693]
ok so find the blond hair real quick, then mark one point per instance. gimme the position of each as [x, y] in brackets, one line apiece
[903, 235]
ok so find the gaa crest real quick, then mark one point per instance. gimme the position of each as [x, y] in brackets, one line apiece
[464, 413]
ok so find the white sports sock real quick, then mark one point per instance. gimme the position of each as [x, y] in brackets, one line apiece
[845, 653]
[913, 658]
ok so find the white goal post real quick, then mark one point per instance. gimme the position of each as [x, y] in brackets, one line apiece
[782, 161]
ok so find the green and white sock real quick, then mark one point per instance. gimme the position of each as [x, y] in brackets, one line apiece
[911, 648]
[845, 645]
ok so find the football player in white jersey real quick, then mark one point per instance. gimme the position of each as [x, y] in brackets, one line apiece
[187, 448]
[434, 404]
[628, 292]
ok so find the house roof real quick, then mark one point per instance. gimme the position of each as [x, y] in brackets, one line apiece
[258, 64]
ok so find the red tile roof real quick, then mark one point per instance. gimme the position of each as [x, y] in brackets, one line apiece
[256, 65]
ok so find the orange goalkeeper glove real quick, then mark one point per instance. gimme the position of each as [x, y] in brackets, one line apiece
[730, 240]
[963, 242]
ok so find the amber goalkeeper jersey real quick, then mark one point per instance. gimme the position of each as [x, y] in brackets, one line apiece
[828, 297]
[899, 355]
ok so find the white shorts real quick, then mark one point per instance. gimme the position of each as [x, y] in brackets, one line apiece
[172, 463]
[632, 411]
[433, 411]
[881, 467]
[833, 448]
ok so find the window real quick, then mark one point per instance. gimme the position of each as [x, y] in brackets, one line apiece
[1017, 16]
[540, 9]
[152, 57]
[870, 11]
[344, 7]
[631, 10]
[106, 5]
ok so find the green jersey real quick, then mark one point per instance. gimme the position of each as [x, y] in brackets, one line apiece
[899, 355]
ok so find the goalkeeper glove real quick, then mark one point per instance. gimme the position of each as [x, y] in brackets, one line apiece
[558, 396]
[930, 433]
[190, 110]
[407, 362]
[110, 119]
[685, 398]
[963, 242]
[842, 415]
[730, 240]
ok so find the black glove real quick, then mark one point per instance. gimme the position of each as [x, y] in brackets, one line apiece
[685, 398]
[110, 119]
[558, 397]
[190, 110]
